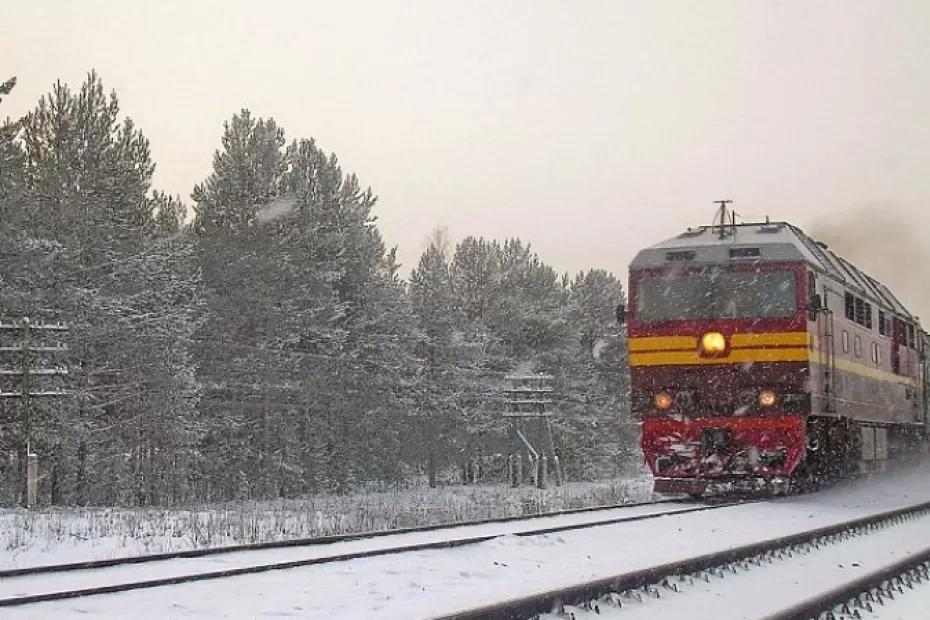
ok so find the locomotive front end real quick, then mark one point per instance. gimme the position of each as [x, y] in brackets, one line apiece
[719, 360]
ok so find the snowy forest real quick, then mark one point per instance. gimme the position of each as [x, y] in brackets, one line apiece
[259, 340]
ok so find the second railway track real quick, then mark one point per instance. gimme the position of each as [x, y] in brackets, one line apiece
[49, 583]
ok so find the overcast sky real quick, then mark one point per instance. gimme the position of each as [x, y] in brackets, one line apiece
[587, 128]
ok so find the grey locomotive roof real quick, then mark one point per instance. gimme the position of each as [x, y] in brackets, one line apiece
[763, 242]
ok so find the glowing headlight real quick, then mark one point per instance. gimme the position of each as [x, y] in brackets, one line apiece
[713, 343]
[766, 398]
[663, 400]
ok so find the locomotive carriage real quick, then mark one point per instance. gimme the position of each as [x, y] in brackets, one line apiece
[760, 359]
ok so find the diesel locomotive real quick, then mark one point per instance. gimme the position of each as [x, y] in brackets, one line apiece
[762, 360]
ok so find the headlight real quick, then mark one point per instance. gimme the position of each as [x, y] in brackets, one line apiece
[713, 343]
[748, 397]
[766, 398]
[663, 401]
[684, 399]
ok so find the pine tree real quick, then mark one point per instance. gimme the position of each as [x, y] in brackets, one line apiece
[513, 322]
[247, 174]
[360, 415]
[530, 320]
[598, 436]
[16, 256]
[86, 205]
[169, 215]
[240, 353]
[12, 179]
[305, 349]
[432, 297]
[11, 157]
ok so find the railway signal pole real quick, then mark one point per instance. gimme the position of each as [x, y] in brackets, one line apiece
[528, 400]
[26, 363]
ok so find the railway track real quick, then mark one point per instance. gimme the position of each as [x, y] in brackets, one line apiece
[868, 593]
[602, 597]
[49, 583]
[317, 540]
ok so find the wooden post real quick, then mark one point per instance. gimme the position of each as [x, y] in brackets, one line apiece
[519, 479]
[26, 417]
[511, 472]
[534, 463]
[542, 472]
[556, 466]
[32, 479]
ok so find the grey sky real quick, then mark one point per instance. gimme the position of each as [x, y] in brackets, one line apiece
[586, 128]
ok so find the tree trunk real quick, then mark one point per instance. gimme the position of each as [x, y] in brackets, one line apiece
[432, 464]
[82, 473]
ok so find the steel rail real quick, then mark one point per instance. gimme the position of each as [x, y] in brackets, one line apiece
[526, 607]
[865, 589]
[260, 568]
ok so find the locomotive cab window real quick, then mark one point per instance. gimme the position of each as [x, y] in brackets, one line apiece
[716, 293]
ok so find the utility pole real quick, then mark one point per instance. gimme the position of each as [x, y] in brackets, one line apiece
[528, 401]
[30, 374]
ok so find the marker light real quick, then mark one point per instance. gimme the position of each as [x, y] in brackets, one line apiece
[663, 401]
[766, 398]
[713, 343]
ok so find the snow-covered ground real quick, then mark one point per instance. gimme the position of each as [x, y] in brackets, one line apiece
[25, 585]
[429, 583]
[55, 536]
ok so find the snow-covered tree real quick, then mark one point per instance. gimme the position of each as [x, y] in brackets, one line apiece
[439, 404]
[598, 436]
[305, 345]
[247, 175]
[86, 211]
[269, 348]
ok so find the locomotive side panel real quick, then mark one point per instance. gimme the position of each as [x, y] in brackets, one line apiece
[858, 369]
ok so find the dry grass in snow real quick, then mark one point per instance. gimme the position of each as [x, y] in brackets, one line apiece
[60, 535]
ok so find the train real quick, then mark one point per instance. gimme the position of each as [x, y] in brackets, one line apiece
[762, 361]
